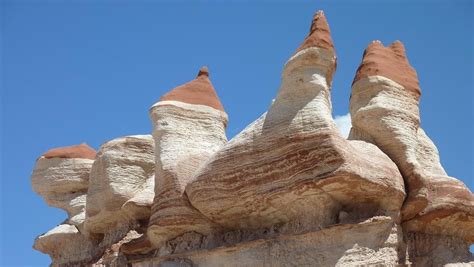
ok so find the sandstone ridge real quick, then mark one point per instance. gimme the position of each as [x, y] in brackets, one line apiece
[287, 190]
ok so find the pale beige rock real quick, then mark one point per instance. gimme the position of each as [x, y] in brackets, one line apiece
[291, 164]
[385, 111]
[120, 182]
[341, 245]
[186, 134]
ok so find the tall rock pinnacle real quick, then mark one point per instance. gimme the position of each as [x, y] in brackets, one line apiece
[188, 127]
[198, 91]
[319, 34]
[390, 62]
[385, 111]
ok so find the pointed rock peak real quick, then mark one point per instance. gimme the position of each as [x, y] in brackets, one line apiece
[375, 43]
[203, 72]
[397, 45]
[82, 151]
[199, 91]
[389, 62]
[319, 34]
[398, 48]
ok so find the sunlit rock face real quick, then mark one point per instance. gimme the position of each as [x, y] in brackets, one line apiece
[121, 182]
[188, 127]
[291, 165]
[384, 108]
[288, 190]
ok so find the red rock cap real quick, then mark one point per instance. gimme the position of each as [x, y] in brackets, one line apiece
[319, 34]
[198, 91]
[82, 151]
[390, 62]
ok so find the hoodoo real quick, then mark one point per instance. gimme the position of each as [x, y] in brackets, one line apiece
[385, 111]
[288, 190]
[188, 127]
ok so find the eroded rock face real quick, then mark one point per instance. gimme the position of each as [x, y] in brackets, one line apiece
[120, 183]
[188, 127]
[385, 111]
[291, 164]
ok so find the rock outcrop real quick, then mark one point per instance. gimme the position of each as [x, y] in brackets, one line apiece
[287, 190]
[385, 111]
[188, 127]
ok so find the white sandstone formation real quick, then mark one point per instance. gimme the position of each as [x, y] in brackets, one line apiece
[120, 181]
[384, 108]
[188, 127]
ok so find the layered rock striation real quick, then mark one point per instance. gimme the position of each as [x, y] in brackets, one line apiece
[287, 190]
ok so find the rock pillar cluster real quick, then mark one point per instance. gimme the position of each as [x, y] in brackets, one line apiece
[286, 190]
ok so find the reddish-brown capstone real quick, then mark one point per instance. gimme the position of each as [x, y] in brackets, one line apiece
[319, 34]
[390, 62]
[198, 91]
[82, 151]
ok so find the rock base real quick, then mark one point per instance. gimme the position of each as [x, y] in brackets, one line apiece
[371, 242]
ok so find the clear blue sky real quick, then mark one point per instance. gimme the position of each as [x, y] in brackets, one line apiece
[78, 71]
